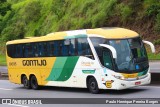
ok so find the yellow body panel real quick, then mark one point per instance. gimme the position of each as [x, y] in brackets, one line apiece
[53, 36]
[108, 33]
[16, 69]
[113, 33]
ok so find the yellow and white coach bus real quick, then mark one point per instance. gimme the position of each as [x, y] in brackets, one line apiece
[101, 58]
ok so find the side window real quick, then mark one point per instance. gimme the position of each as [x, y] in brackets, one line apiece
[45, 49]
[68, 47]
[11, 50]
[15, 51]
[96, 41]
[19, 51]
[36, 51]
[72, 47]
[60, 44]
[28, 50]
[56, 48]
[41, 49]
[50, 48]
[65, 48]
[83, 48]
[80, 44]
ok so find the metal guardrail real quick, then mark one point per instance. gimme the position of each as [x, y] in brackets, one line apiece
[3, 75]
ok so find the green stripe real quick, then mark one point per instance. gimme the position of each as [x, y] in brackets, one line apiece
[75, 36]
[68, 68]
[63, 68]
[57, 68]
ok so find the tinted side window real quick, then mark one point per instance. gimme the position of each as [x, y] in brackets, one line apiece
[83, 48]
[50, 48]
[65, 48]
[36, 50]
[11, 51]
[56, 48]
[68, 47]
[96, 41]
[15, 51]
[27, 50]
[72, 47]
[18, 50]
[41, 49]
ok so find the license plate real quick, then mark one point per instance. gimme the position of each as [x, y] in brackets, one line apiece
[138, 83]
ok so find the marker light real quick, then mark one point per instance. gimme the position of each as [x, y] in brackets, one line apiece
[119, 77]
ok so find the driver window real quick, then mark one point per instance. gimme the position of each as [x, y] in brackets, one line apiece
[107, 60]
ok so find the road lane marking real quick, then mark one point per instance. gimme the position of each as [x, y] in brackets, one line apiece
[5, 89]
[17, 105]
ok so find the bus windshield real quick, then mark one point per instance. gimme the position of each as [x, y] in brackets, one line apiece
[131, 54]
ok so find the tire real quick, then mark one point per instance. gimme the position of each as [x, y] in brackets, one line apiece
[26, 82]
[93, 86]
[34, 83]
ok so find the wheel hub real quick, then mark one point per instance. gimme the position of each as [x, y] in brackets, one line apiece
[93, 85]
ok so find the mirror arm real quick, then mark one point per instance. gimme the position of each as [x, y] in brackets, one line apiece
[113, 50]
[151, 45]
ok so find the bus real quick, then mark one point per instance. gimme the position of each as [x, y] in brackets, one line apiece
[100, 58]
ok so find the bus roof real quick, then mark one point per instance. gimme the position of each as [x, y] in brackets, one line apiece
[108, 33]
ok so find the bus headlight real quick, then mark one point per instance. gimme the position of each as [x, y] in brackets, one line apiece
[119, 77]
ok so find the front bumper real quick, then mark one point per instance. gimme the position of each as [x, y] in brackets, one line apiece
[118, 84]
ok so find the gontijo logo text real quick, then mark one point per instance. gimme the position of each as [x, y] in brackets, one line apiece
[34, 62]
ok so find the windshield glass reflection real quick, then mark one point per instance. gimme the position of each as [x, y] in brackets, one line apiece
[131, 54]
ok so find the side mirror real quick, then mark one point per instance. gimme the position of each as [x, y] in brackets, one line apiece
[111, 48]
[151, 45]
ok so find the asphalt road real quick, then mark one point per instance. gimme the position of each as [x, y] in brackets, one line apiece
[10, 90]
[154, 66]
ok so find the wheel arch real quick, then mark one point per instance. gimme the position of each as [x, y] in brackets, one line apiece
[31, 76]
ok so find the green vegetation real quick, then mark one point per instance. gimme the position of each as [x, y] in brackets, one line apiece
[23, 18]
[37, 17]
[4, 7]
[2, 60]
[2, 53]
[157, 42]
[153, 56]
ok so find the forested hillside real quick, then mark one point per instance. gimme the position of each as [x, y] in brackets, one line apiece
[23, 18]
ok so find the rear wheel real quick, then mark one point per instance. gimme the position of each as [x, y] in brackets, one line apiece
[26, 82]
[93, 86]
[34, 83]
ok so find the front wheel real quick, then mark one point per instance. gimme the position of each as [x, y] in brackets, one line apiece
[93, 86]
[34, 83]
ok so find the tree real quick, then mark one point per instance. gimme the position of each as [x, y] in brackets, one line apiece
[4, 7]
